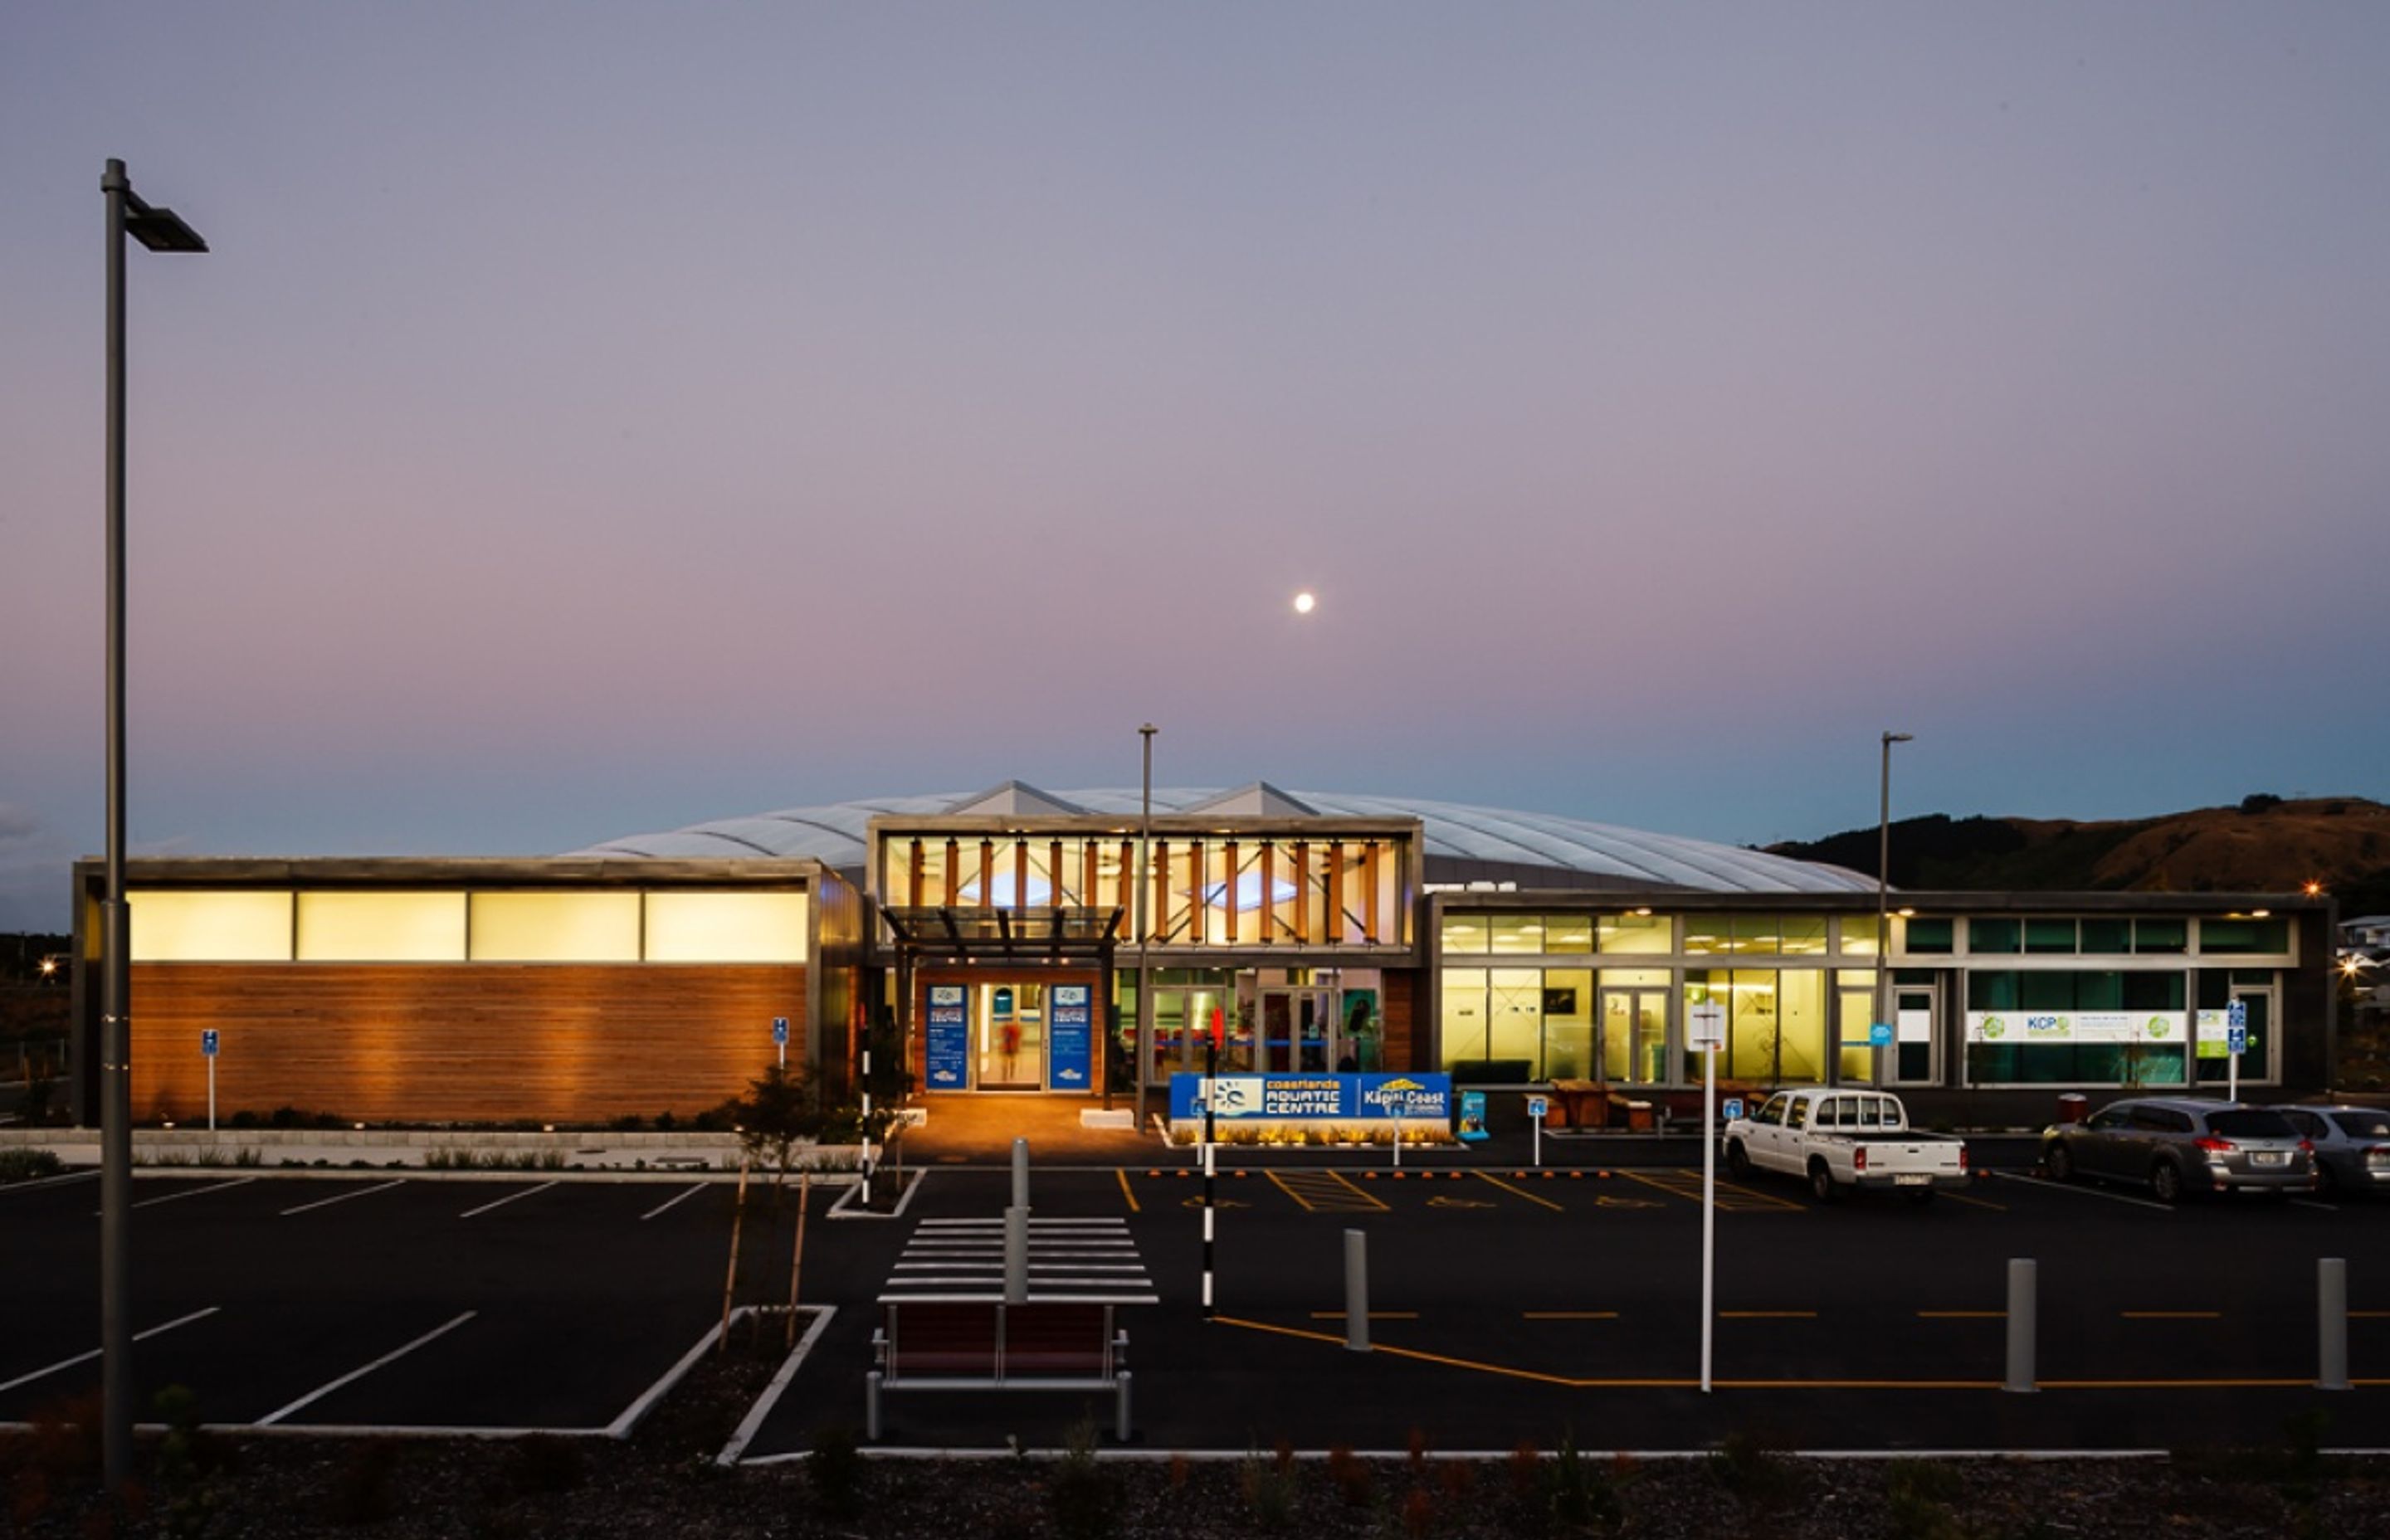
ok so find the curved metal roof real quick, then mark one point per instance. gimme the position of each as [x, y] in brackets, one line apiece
[834, 834]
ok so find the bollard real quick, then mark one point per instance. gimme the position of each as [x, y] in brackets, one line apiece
[1357, 1291]
[2331, 1323]
[1121, 1423]
[871, 1383]
[1016, 1255]
[1020, 1174]
[2021, 1332]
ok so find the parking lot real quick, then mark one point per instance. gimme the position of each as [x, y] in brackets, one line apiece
[1507, 1304]
[376, 1301]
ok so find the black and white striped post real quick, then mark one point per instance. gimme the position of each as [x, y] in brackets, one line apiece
[1211, 1069]
[867, 1125]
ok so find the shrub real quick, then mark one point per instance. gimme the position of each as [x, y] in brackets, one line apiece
[1084, 1496]
[1418, 1513]
[1751, 1467]
[1526, 1469]
[1581, 1497]
[27, 1164]
[1349, 1476]
[1268, 1490]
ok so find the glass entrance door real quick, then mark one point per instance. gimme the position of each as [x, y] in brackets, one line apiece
[1299, 1032]
[1634, 1034]
[1011, 1037]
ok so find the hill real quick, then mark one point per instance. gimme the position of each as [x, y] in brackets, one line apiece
[2264, 845]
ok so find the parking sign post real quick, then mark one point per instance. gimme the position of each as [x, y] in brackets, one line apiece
[1537, 1108]
[208, 1045]
[1708, 1034]
[2235, 1043]
[781, 1038]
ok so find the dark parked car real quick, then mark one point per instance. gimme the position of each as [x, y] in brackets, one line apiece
[2181, 1145]
[2352, 1146]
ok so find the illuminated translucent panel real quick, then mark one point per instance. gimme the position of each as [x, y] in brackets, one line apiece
[210, 927]
[727, 928]
[381, 927]
[1636, 933]
[555, 927]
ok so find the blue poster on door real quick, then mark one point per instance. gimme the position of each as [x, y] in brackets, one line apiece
[948, 1055]
[1071, 1038]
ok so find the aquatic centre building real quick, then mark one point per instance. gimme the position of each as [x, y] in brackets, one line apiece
[999, 939]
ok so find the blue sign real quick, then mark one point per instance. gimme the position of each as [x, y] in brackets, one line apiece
[2236, 1014]
[1069, 1039]
[208, 1041]
[947, 1054]
[1539, 1106]
[2236, 1040]
[1472, 1115]
[1880, 1034]
[1730, 1108]
[779, 1029]
[1320, 1096]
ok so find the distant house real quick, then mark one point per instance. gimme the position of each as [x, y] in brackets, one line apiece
[2366, 931]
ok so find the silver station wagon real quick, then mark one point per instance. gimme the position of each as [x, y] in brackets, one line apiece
[2180, 1145]
[2352, 1146]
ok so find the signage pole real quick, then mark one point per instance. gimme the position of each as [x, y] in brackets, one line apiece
[867, 1125]
[1709, 1207]
[212, 1093]
[1211, 1071]
[1540, 1141]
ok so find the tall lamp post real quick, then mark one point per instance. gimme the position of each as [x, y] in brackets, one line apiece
[159, 230]
[1883, 889]
[1143, 1058]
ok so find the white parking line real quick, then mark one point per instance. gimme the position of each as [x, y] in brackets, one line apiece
[670, 1201]
[326, 1202]
[2087, 1192]
[2311, 1203]
[194, 1192]
[270, 1419]
[507, 1199]
[87, 1358]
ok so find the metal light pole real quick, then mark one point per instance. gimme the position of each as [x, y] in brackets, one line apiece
[1143, 1059]
[1882, 910]
[160, 230]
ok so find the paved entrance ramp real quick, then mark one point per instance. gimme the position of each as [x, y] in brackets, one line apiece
[979, 1128]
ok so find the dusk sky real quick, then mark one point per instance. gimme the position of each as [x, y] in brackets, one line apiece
[596, 418]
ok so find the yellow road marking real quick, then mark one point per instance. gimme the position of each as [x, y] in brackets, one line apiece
[1522, 1192]
[2172, 1314]
[1979, 1203]
[1731, 1199]
[1133, 1205]
[1963, 1314]
[2370, 1315]
[1674, 1384]
[1768, 1314]
[1325, 1192]
[1569, 1315]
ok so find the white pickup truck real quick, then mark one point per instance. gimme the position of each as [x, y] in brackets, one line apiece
[1844, 1138]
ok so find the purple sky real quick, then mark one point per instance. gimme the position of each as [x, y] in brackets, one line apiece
[596, 418]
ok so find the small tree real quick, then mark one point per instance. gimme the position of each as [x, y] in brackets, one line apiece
[777, 1114]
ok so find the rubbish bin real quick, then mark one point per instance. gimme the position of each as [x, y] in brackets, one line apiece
[2074, 1107]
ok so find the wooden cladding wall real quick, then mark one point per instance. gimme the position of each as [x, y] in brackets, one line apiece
[481, 1043]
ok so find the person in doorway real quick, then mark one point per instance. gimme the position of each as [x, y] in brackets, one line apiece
[1008, 1042]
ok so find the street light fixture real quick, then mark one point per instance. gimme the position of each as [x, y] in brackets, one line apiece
[158, 230]
[1882, 888]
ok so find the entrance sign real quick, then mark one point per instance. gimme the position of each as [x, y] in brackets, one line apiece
[1308, 1100]
[947, 1051]
[1071, 1040]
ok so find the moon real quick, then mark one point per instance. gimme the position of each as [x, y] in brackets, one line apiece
[1304, 602]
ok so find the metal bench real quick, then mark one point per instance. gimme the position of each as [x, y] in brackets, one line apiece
[983, 1344]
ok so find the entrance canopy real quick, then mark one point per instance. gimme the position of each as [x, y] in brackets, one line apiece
[974, 934]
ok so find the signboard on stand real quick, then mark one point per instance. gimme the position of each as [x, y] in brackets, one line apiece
[1472, 1115]
[946, 1053]
[1071, 1038]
